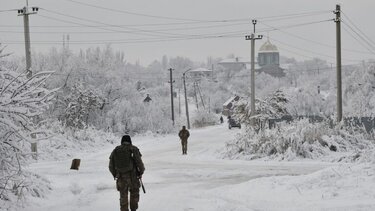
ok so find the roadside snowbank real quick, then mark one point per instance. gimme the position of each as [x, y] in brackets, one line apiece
[343, 187]
[67, 144]
[303, 140]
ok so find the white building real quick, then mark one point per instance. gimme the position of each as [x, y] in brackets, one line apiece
[201, 73]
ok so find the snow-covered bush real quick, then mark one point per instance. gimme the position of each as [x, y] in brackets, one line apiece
[274, 106]
[69, 143]
[203, 118]
[80, 103]
[133, 116]
[22, 101]
[302, 139]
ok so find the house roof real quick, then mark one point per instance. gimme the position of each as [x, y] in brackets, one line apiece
[201, 69]
[237, 60]
[230, 100]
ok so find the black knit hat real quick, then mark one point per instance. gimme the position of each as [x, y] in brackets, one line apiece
[126, 138]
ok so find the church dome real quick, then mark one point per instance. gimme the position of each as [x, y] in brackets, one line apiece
[268, 47]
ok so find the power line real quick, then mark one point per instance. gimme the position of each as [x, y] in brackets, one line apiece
[139, 31]
[207, 35]
[301, 49]
[306, 50]
[292, 25]
[131, 13]
[355, 26]
[310, 40]
[354, 37]
[299, 54]
[156, 30]
[291, 16]
[310, 57]
[130, 41]
[10, 10]
[359, 35]
[278, 17]
[184, 19]
[127, 25]
[80, 24]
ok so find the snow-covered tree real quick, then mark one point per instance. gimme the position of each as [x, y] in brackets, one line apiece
[274, 106]
[79, 105]
[22, 101]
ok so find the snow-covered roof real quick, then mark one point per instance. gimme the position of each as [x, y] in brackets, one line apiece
[234, 60]
[201, 69]
[230, 100]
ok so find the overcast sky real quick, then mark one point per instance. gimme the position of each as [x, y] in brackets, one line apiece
[148, 29]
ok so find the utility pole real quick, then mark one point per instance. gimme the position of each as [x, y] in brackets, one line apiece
[171, 81]
[200, 94]
[67, 41]
[179, 102]
[186, 102]
[252, 38]
[209, 104]
[338, 62]
[25, 12]
[195, 94]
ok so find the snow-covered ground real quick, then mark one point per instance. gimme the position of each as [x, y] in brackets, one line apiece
[203, 181]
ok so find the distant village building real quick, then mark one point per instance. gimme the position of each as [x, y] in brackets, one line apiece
[229, 105]
[201, 73]
[236, 64]
[268, 61]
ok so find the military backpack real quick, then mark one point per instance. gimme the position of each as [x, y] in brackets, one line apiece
[123, 158]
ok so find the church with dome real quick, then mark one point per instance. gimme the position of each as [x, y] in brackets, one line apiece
[269, 60]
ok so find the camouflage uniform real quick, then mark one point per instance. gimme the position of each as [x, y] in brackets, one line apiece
[184, 135]
[127, 181]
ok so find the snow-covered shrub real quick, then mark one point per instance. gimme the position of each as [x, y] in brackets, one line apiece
[301, 139]
[133, 116]
[22, 101]
[274, 106]
[69, 143]
[203, 119]
[80, 103]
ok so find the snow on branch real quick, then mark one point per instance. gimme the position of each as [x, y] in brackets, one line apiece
[22, 100]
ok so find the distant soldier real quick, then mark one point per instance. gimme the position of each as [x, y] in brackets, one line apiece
[221, 120]
[125, 164]
[184, 135]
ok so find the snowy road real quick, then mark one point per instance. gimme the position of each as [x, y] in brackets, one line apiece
[198, 181]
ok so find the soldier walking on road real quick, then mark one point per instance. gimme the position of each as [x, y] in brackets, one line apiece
[126, 166]
[184, 135]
